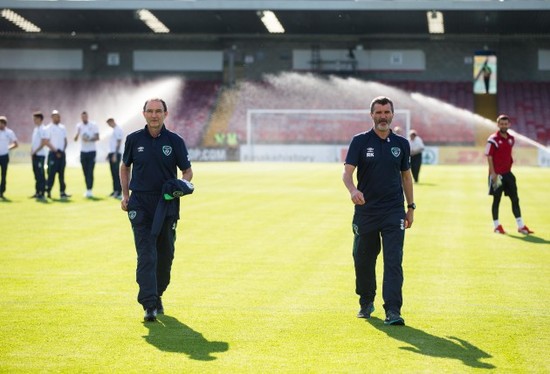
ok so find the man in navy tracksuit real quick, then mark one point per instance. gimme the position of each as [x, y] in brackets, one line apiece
[152, 155]
[382, 159]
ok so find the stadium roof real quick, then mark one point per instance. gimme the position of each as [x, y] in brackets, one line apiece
[240, 17]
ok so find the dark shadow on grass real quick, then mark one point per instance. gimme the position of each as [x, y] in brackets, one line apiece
[94, 198]
[60, 200]
[530, 239]
[423, 343]
[170, 335]
[4, 199]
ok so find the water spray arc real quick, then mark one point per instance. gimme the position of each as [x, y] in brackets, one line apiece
[123, 102]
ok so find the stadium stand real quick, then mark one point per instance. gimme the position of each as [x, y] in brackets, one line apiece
[440, 122]
[189, 112]
[527, 105]
[69, 96]
[198, 101]
[193, 111]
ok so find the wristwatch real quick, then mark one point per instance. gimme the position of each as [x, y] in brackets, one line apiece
[412, 206]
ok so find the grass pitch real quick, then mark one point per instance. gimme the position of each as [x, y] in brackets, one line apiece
[263, 278]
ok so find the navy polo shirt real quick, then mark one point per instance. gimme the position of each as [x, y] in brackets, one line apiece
[379, 165]
[154, 160]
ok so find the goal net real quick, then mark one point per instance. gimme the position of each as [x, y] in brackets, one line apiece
[307, 135]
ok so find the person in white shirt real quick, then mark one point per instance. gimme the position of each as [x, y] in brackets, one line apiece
[89, 134]
[39, 150]
[8, 141]
[417, 147]
[56, 134]
[114, 156]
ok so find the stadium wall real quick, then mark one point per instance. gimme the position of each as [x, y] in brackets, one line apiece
[431, 155]
[327, 153]
[448, 59]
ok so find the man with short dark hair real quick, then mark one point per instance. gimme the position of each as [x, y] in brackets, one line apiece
[89, 133]
[8, 141]
[499, 157]
[152, 155]
[39, 150]
[114, 156]
[382, 160]
[56, 134]
[417, 147]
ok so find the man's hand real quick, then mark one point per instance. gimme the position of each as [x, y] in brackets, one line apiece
[124, 203]
[357, 197]
[409, 218]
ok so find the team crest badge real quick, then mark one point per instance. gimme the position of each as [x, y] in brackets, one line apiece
[132, 214]
[395, 151]
[167, 150]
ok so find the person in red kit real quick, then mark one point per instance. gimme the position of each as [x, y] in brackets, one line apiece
[499, 156]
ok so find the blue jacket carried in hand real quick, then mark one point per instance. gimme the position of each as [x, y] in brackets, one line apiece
[172, 189]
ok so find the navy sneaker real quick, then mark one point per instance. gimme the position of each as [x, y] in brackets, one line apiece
[394, 318]
[366, 311]
[150, 314]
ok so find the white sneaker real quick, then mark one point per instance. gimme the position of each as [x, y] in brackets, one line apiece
[88, 194]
